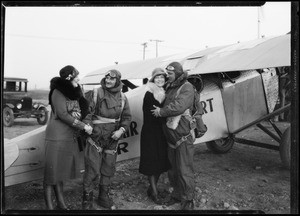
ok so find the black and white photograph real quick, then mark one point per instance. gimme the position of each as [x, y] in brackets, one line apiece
[149, 107]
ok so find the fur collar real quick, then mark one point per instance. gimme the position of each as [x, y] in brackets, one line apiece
[66, 88]
[70, 92]
[158, 93]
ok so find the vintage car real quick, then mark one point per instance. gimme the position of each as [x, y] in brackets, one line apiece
[17, 103]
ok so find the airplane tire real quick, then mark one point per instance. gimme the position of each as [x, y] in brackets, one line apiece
[220, 146]
[285, 148]
[42, 120]
[8, 117]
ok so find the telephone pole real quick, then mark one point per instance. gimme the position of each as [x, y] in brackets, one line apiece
[156, 42]
[145, 45]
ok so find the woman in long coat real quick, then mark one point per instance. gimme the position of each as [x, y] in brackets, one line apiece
[68, 106]
[153, 157]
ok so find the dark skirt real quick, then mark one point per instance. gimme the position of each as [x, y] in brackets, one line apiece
[63, 161]
[154, 158]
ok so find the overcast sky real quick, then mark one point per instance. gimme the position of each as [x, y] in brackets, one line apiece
[39, 41]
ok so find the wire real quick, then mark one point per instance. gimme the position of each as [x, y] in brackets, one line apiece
[84, 40]
[74, 39]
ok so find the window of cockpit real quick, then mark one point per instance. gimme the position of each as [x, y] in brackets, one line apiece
[191, 63]
[231, 75]
[196, 81]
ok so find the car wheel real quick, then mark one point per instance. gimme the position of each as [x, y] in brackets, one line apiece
[220, 146]
[285, 148]
[43, 116]
[8, 117]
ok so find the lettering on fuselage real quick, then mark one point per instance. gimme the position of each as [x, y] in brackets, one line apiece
[207, 105]
[122, 147]
[132, 130]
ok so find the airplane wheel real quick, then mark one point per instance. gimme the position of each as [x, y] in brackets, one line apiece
[8, 117]
[285, 148]
[43, 116]
[220, 146]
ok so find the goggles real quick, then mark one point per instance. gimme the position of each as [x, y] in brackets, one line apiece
[111, 74]
[170, 68]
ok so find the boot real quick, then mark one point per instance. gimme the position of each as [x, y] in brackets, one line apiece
[103, 199]
[87, 200]
[48, 197]
[187, 205]
[172, 201]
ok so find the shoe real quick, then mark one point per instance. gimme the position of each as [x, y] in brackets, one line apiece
[187, 205]
[172, 201]
[62, 208]
[154, 198]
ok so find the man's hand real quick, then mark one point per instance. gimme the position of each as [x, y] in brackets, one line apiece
[117, 134]
[88, 129]
[156, 111]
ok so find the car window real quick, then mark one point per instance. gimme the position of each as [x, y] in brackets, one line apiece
[11, 86]
[14, 86]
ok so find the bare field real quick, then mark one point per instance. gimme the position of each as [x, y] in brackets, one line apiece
[245, 178]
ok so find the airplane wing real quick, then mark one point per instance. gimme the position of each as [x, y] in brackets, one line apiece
[256, 54]
[131, 70]
[11, 153]
[134, 70]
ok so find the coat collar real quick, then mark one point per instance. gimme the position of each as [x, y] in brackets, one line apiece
[112, 95]
[66, 88]
[179, 81]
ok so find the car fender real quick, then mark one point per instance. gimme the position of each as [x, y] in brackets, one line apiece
[39, 106]
[10, 105]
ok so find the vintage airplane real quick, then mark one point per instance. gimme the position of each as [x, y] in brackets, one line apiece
[233, 78]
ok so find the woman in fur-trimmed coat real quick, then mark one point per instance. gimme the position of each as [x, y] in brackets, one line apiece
[68, 107]
[153, 157]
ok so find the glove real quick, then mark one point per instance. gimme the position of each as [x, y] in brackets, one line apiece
[88, 129]
[118, 133]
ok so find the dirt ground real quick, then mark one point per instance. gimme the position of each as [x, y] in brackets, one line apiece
[245, 178]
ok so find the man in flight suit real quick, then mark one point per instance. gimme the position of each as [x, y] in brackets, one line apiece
[110, 117]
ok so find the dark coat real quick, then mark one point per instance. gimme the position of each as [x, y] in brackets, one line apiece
[153, 158]
[62, 160]
[65, 101]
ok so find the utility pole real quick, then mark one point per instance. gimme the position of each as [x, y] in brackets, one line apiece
[156, 42]
[145, 45]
